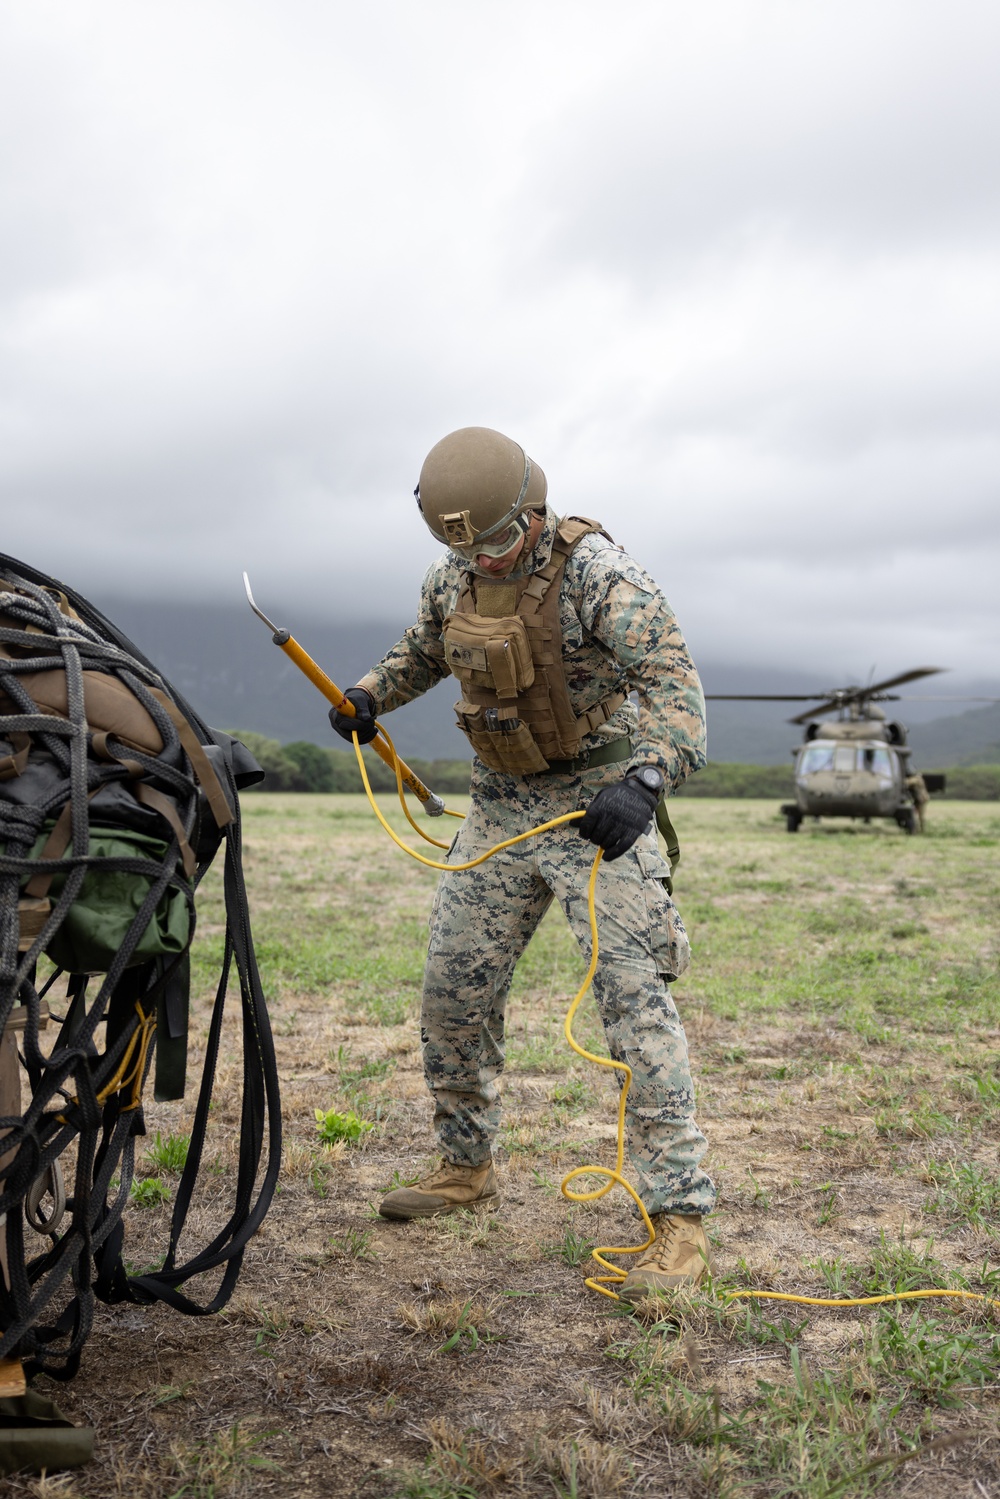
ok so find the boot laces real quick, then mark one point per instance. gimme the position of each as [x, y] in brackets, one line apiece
[448, 1171]
[660, 1251]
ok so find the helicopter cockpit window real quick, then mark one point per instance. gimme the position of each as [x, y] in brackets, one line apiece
[816, 757]
[878, 761]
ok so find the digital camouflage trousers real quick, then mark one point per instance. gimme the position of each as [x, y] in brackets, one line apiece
[481, 923]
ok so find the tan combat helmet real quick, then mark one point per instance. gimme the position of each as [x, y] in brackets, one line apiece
[476, 487]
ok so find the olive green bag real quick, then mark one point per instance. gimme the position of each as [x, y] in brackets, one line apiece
[110, 898]
[35, 1436]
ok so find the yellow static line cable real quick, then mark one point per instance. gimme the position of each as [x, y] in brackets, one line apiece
[615, 1274]
[615, 1178]
[543, 827]
[860, 1300]
[397, 766]
[142, 1038]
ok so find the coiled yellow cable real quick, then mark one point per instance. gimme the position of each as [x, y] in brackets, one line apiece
[615, 1275]
[141, 1038]
[543, 827]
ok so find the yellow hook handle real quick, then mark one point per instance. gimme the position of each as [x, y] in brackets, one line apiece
[286, 642]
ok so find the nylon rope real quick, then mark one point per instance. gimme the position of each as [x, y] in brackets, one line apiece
[614, 1274]
[98, 1093]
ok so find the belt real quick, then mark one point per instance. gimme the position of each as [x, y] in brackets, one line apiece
[605, 754]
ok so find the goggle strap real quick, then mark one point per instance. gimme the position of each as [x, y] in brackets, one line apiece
[512, 512]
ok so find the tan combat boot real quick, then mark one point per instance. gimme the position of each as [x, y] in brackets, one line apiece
[677, 1257]
[447, 1188]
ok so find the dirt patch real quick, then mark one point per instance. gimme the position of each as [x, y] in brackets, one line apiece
[459, 1356]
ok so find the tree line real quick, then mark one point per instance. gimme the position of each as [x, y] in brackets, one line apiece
[302, 766]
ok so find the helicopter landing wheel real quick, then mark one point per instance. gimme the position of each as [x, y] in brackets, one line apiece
[793, 821]
[907, 820]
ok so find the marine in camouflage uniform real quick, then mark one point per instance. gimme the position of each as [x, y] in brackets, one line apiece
[619, 636]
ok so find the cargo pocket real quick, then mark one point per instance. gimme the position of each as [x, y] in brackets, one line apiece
[668, 939]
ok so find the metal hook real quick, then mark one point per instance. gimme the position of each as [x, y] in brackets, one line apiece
[280, 636]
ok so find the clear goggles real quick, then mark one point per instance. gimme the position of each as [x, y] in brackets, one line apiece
[497, 546]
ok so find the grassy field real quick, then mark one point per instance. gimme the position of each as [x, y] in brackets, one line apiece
[843, 1014]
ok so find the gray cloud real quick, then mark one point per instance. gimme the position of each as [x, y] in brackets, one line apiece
[730, 276]
[858, 128]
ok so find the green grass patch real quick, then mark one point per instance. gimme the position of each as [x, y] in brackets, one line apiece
[168, 1152]
[333, 1127]
[935, 1359]
[966, 1193]
[150, 1192]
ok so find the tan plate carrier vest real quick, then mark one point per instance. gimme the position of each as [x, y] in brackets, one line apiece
[504, 645]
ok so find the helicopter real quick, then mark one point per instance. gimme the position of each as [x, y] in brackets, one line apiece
[859, 764]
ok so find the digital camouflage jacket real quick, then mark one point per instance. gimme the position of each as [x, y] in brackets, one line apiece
[619, 634]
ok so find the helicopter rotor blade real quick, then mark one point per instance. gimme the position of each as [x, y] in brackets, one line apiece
[840, 697]
[820, 709]
[845, 695]
[830, 697]
[906, 676]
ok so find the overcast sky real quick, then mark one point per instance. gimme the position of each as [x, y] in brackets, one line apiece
[728, 271]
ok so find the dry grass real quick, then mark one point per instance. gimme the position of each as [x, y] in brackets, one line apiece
[843, 1017]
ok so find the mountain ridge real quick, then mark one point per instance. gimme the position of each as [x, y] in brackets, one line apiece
[221, 658]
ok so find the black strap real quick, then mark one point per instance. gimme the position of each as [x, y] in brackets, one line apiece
[261, 1097]
[47, 1313]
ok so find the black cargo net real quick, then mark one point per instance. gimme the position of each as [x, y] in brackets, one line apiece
[114, 798]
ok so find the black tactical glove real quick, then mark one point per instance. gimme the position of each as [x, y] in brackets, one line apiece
[363, 723]
[619, 814]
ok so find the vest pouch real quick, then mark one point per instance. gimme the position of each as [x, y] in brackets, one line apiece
[491, 653]
[502, 744]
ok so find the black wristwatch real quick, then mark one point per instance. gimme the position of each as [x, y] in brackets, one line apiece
[649, 776]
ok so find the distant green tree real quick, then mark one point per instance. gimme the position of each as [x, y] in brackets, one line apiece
[315, 773]
[347, 777]
[973, 783]
[724, 779]
[443, 776]
[302, 766]
[280, 773]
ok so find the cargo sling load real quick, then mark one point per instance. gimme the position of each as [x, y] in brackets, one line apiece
[115, 797]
